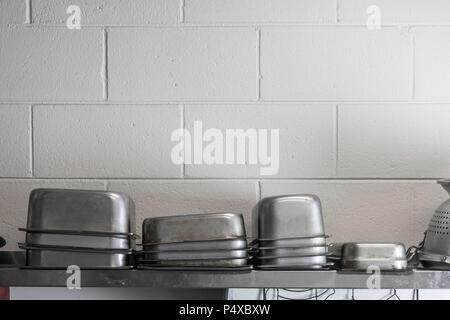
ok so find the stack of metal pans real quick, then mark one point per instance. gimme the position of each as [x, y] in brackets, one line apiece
[89, 229]
[199, 241]
[435, 252]
[290, 233]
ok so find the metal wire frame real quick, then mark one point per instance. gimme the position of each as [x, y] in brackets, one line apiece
[394, 295]
[317, 295]
[415, 294]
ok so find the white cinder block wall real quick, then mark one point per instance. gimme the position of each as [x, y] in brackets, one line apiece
[363, 114]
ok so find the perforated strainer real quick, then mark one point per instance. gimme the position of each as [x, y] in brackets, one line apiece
[437, 239]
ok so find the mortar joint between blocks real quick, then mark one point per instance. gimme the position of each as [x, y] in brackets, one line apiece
[31, 141]
[28, 17]
[258, 64]
[182, 11]
[105, 65]
[337, 11]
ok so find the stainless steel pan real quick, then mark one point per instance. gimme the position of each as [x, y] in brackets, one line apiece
[289, 216]
[280, 261]
[231, 244]
[292, 242]
[386, 256]
[62, 259]
[197, 263]
[324, 266]
[74, 249]
[194, 255]
[291, 252]
[245, 268]
[82, 233]
[196, 227]
[117, 242]
[80, 210]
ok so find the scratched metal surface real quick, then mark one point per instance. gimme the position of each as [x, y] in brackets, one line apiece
[423, 279]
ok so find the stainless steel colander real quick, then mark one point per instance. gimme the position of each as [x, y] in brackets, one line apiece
[437, 239]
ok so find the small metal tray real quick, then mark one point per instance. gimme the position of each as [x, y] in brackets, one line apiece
[280, 261]
[87, 210]
[288, 216]
[193, 227]
[67, 240]
[39, 258]
[386, 256]
[197, 263]
[291, 252]
[291, 242]
[231, 244]
[194, 255]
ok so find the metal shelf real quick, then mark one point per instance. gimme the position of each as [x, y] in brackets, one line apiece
[420, 279]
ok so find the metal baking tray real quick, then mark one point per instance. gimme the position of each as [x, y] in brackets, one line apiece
[39, 258]
[232, 244]
[279, 261]
[193, 227]
[325, 266]
[197, 263]
[289, 216]
[291, 252]
[194, 255]
[190, 268]
[292, 242]
[67, 240]
[80, 210]
[387, 256]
